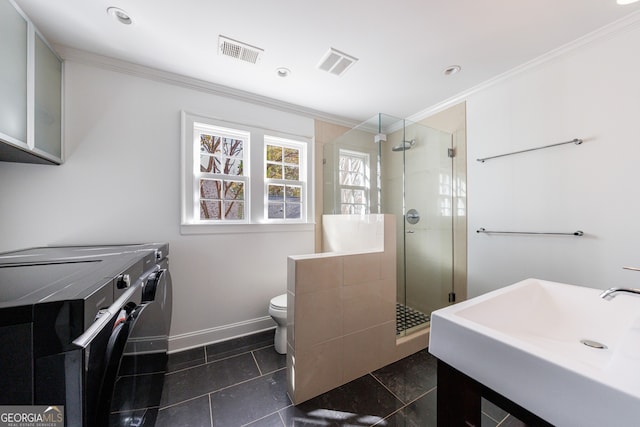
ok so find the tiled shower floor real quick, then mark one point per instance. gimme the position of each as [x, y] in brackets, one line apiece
[243, 383]
[407, 318]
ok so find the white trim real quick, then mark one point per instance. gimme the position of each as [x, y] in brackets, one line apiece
[200, 128]
[627, 23]
[303, 178]
[255, 204]
[245, 228]
[189, 340]
[112, 64]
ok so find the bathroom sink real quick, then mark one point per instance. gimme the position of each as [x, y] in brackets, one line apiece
[527, 342]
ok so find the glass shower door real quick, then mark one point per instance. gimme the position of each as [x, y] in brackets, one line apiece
[420, 183]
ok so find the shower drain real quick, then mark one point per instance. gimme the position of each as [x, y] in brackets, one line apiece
[594, 344]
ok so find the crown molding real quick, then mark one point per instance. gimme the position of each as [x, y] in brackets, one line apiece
[613, 29]
[107, 63]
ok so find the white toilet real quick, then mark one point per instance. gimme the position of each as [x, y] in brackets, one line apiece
[278, 311]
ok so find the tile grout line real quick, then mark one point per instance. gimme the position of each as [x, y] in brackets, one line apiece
[162, 408]
[404, 405]
[500, 422]
[217, 360]
[266, 416]
[219, 389]
[210, 409]
[386, 388]
[257, 364]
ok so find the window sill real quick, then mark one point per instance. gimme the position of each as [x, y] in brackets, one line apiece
[244, 228]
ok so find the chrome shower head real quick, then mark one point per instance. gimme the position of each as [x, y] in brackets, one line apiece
[406, 145]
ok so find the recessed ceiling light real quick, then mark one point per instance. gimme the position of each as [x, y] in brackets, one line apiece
[283, 72]
[119, 14]
[452, 70]
[623, 2]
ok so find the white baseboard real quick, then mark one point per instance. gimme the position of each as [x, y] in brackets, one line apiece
[219, 333]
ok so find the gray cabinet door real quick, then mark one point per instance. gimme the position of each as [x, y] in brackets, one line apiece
[48, 100]
[13, 75]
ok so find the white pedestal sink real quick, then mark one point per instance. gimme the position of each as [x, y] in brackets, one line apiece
[524, 341]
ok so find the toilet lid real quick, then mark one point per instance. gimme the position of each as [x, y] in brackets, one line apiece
[279, 302]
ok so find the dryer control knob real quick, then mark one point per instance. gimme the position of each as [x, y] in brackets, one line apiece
[124, 281]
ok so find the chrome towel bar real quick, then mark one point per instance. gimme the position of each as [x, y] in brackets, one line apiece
[576, 141]
[575, 233]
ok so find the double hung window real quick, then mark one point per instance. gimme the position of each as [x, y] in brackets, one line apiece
[353, 173]
[222, 178]
[284, 184]
[238, 174]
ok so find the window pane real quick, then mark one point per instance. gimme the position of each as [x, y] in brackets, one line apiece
[210, 188]
[232, 147]
[293, 193]
[274, 171]
[292, 173]
[346, 196]
[292, 156]
[233, 190]
[276, 210]
[210, 209]
[233, 210]
[293, 210]
[274, 153]
[232, 166]
[345, 178]
[353, 209]
[206, 163]
[276, 193]
[209, 144]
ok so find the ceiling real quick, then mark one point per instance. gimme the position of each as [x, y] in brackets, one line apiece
[402, 46]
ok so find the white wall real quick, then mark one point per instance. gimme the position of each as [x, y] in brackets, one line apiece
[120, 183]
[592, 92]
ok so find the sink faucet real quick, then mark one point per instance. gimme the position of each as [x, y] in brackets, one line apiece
[610, 293]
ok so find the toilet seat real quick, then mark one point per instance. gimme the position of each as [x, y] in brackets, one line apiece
[279, 302]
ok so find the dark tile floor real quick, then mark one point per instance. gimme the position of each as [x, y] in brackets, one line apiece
[243, 383]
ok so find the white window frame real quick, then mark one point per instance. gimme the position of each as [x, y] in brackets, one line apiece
[256, 220]
[301, 182]
[205, 128]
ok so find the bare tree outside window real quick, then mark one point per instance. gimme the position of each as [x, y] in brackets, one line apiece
[221, 197]
[354, 182]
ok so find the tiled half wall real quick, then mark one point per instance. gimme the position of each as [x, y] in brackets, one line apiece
[341, 313]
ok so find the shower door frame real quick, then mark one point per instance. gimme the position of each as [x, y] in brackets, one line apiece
[420, 138]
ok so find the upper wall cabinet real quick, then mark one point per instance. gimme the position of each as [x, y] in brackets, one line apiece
[31, 84]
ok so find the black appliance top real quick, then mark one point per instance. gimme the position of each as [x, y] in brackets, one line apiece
[64, 273]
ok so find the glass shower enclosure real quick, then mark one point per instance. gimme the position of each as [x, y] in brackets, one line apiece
[391, 165]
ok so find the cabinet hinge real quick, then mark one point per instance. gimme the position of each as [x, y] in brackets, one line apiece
[451, 152]
[452, 297]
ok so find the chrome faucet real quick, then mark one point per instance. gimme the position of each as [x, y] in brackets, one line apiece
[610, 293]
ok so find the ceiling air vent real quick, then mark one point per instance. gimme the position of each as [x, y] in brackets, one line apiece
[238, 50]
[336, 62]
